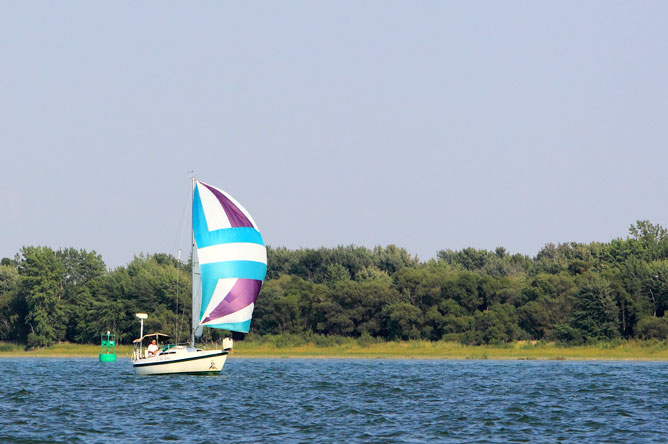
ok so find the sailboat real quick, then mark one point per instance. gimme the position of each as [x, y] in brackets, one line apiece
[229, 264]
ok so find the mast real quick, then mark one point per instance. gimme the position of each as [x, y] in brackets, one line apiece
[192, 262]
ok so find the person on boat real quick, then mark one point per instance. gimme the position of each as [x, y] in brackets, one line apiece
[152, 349]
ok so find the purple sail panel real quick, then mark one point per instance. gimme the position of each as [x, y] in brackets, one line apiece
[236, 217]
[243, 293]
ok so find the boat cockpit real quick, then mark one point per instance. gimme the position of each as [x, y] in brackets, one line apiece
[140, 345]
[140, 350]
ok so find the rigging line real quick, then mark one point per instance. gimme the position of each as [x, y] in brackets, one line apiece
[176, 320]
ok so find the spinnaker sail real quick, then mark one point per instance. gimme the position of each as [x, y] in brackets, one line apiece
[229, 261]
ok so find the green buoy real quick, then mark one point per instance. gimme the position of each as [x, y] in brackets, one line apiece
[108, 347]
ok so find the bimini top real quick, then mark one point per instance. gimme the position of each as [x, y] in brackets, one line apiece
[158, 336]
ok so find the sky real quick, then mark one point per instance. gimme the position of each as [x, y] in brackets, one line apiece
[430, 125]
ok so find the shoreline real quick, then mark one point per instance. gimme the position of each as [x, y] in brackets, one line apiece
[522, 350]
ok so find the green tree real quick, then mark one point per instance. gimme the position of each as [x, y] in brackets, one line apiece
[83, 271]
[113, 309]
[279, 261]
[288, 305]
[653, 239]
[402, 320]
[595, 313]
[423, 286]
[546, 302]
[10, 320]
[464, 290]
[41, 287]
[497, 325]
[653, 328]
[373, 273]
[393, 258]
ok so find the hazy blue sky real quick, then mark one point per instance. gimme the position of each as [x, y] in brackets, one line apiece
[430, 125]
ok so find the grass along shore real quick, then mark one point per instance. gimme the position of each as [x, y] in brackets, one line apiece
[350, 348]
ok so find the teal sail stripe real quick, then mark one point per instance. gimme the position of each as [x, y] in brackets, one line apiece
[206, 238]
[228, 236]
[242, 327]
[234, 269]
[210, 274]
[199, 220]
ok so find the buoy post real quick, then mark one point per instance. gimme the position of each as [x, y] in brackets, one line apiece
[107, 347]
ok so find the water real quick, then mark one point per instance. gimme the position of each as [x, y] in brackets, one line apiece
[336, 401]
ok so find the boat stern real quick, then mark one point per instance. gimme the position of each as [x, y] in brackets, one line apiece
[227, 344]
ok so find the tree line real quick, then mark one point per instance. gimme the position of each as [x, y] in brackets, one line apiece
[572, 292]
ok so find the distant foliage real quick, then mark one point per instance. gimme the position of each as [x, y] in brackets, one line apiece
[573, 293]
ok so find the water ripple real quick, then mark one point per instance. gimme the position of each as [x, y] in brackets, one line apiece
[332, 401]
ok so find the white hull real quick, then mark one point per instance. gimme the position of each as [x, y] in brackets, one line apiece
[185, 361]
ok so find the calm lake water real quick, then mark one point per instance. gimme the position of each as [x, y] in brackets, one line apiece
[337, 401]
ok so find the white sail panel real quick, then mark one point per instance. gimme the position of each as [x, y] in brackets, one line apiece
[214, 213]
[238, 251]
